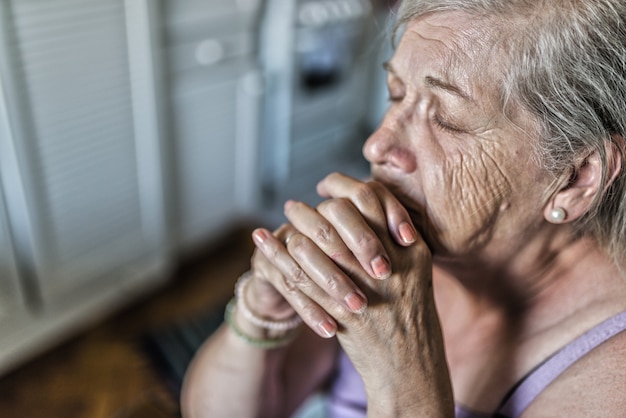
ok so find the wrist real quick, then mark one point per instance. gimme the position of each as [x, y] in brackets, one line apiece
[257, 331]
[253, 335]
[259, 299]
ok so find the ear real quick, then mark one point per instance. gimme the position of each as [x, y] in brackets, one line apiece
[576, 197]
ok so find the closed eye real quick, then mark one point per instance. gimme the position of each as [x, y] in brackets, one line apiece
[445, 126]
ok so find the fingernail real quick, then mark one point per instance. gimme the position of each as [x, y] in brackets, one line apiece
[407, 233]
[259, 236]
[327, 328]
[356, 302]
[288, 204]
[381, 267]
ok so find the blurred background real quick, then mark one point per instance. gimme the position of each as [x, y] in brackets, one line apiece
[140, 141]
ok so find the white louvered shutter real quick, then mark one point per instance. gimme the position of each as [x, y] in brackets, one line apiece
[10, 292]
[80, 155]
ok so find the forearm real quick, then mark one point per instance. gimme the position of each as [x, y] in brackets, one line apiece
[230, 377]
[413, 398]
[411, 377]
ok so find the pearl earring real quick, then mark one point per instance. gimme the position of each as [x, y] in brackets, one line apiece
[557, 214]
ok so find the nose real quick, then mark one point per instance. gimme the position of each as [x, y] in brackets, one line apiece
[386, 147]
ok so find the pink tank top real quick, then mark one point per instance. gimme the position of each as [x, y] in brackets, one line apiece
[347, 395]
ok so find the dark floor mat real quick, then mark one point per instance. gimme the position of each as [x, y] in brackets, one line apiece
[171, 348]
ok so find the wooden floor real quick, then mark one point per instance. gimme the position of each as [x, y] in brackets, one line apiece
[103, 372]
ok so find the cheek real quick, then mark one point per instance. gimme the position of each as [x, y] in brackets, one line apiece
[468, 195]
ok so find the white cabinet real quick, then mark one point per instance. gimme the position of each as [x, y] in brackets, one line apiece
[318, 60]
[81, 168]
[128, 133]
[214, 94]
[11, 297]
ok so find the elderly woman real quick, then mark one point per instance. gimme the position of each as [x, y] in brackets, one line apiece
[482, 271]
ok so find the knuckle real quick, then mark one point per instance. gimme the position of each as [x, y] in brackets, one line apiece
[323, 233]
[289, 286]
[364, 193]
[332, 281]
[366, 243]
[273, 252]
[296, 275]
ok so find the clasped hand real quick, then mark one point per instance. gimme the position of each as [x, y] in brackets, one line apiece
[354, 267]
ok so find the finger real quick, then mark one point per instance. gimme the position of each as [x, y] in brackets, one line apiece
[309, 222]
[284, 233]
[323, 270]
[268, 301]
[342, 233]
[368, 197]
[290, 280]
[329, 278]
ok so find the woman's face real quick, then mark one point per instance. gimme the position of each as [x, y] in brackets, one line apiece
[445, 148]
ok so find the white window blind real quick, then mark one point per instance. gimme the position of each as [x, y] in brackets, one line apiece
[72, 56]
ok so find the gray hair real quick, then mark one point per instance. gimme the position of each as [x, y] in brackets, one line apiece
[566, 67]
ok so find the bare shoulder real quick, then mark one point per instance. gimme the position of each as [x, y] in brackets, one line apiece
[593, 386]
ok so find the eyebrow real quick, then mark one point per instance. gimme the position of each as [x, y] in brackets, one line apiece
[449, 87]
[434, 82]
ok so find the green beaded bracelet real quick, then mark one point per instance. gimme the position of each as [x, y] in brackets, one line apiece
[264, 343]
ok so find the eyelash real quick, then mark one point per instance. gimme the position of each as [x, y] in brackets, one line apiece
[443, 126]
[446, 127]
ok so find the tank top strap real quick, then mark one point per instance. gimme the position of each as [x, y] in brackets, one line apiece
[525, 392]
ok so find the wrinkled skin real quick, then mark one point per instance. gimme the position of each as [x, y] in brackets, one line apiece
[455, 161]
[466, 175]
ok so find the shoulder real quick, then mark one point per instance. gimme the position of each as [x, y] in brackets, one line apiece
[593, 386]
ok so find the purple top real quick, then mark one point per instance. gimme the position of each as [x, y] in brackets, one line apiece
[347, 397]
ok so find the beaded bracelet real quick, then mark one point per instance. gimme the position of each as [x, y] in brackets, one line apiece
[285, 325]
[263, 343]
